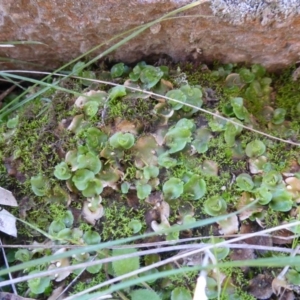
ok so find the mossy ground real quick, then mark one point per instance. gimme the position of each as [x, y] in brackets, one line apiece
[40, 143]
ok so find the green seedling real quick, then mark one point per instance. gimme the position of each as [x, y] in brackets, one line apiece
[68, 218]
[254, 91]
[135, 226]
[255, 148]
[91, 108]
[219, 252]
[244, 182]
[258, 70]
[238, 108]
[201, 140]
[125, 187]
[39, 185]
[135, 74]
[215, 206]
[65, 235]
[273, 180]
[144, 294]
[55, 227]
[231, 131]
[118, 70]
[117, 92]
[176, 94]
[78, 70]
[125, 265]
[150, 76]
[194, 188]
[281, 200]
[150, 172]
[143, 190]
[293, 277]
[172, 188]
[193, 97]
[211, 289]
[90, 162]
[38, 285]
[278, 116]
[164, 160]
[91, 238]
[186, 123]
[263, 195]
[216, 124]
[62, 171]
[12, 123]
[95, 139]
[94, 188]
[180, 293]
[177, 138]
[95, 269]
[122, 140]
[81, 178]
[23, 255]
[246, 75]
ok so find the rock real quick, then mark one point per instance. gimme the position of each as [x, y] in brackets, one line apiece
[252, 31]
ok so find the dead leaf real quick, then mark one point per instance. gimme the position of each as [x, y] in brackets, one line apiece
[251, 227]
[56, 292]
[229, 225]
[244, 200]
[242, 254]
[7, 198]
[261, 286]
[8, 223]
[278, 285]
[281, 237]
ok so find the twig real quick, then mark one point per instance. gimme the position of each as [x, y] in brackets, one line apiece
[7, 92]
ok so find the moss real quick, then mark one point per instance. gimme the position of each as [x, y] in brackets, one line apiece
[273, 218]
[116, 219]
[287, 95]
[132, 109]
[187, 280]
[82, 285]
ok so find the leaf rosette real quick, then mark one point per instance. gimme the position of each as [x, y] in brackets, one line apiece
[255, 148]
[215, 206]
[122, 140]
[81, 178]
[172, 188]
[62, 171]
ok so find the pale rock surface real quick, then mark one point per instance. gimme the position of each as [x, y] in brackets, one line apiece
[251, 31]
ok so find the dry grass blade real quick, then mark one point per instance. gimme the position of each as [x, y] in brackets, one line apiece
[7, 266]
[201, 281]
